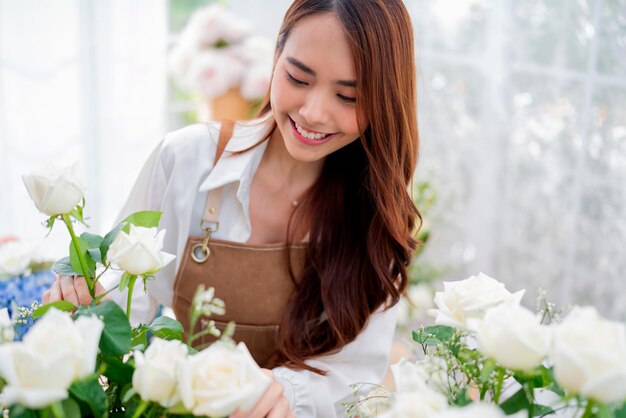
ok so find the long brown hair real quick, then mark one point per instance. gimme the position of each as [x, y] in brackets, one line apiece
[360, 216]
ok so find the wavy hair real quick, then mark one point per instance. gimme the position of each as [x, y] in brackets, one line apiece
[360, 216]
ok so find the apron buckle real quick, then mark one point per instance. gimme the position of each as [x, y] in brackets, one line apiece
[201, 252]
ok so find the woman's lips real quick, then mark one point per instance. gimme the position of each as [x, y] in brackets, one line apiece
[305, 140]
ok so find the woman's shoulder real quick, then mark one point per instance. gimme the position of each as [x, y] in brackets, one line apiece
[201, 138]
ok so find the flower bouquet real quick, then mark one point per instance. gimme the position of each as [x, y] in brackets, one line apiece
[88, 360]
[216, 58]
[488, 356]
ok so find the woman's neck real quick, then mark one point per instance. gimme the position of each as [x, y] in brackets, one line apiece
[296, 176]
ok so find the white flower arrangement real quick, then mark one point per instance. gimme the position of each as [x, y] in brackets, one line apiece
[215, 52]
[79, 361]
[488, 356]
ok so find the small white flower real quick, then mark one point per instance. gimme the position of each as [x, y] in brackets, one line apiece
[513, 336]
[220, 379]
[470, 298]
[375, 403]
[55, 352]
[139, 251]
[156, 371]
[7, 333]
[588, 354]
[15, 257]
[55, 190]
[206, 303]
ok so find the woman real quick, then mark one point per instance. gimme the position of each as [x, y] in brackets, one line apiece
[305, 218]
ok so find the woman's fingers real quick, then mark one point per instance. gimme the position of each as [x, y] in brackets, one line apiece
[68, 290]
[82, 290]
[55, 292]
[45, 298]
[268, 401]
[281, 410]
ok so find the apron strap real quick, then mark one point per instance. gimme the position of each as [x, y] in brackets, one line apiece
[214, 198]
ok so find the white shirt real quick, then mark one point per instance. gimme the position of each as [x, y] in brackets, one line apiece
[176, 181]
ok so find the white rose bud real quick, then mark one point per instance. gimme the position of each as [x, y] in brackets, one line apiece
[588, 353]
[513, 336]
[7, 333]
[139, 251]
[15, 257]
[422, 403]
[156, 371]
[55, 352]
[478, 410]
[470, 298]
[221, 379]
[55, 190]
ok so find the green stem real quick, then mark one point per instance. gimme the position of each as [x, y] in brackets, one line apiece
[142, 407]
[102, 295]
[588, 410]
[530, 394]
[57, 410]
[498, 391]
[81, 256]
[131, 286]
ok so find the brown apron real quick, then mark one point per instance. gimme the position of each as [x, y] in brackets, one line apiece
[254, 281]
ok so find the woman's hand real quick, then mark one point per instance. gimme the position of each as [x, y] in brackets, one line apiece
[273, 403]
[73, 290]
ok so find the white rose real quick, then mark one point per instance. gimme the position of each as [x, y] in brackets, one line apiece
[255, 50]
[470, 298]
[214, 23]
[422, 403]
[513, 336]
[7, 333]
[55, 190]
[478, 410]
[55, 352]
[588, 353]
[156, 371]
[15, 257]
[220, 379]
[139, 251]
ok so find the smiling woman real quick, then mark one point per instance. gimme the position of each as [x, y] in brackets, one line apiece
[301, 219]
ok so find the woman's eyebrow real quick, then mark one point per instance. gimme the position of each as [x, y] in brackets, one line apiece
[309, 70]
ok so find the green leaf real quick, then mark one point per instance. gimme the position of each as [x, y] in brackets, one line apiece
[95, 254]
[116, 370]
[116, 336]
[18, 411]
[542, 410]
[621, 412]
[63, 267]
[75, 262]
[167, 328]
[108, 240]
[70, 408]
[89, 391]
[515, 403]
[61, 305]
[92, 240]
[433, 335]
[147, 219]
[462, 398]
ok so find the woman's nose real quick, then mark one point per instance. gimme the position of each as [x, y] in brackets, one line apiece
[315, 111]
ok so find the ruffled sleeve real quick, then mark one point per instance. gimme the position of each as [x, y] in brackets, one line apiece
[365, 359]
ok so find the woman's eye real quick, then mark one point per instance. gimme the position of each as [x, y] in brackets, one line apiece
[295, 81]
[347, 99]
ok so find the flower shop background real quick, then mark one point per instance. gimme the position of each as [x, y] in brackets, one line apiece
[522, 114]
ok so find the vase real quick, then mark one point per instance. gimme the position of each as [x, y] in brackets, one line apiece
[229, 106]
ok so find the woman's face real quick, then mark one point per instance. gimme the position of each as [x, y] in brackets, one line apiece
[313, 89]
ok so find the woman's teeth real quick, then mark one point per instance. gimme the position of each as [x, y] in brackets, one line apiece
[309, 135]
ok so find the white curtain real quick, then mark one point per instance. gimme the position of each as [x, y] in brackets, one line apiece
[79, 80]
